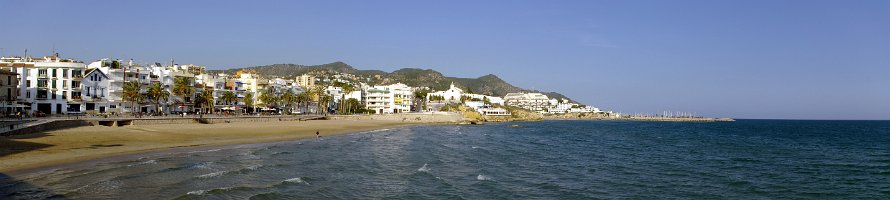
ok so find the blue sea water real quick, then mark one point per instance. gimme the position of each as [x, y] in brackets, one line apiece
[746, 159]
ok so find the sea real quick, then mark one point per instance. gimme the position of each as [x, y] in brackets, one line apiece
[745, 159]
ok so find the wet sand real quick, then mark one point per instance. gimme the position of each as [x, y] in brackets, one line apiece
[22, 152]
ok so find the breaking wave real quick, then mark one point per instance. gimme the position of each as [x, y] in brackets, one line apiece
[483, 178]
[425, 168]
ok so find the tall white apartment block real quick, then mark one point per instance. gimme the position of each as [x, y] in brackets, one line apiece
[46, 84]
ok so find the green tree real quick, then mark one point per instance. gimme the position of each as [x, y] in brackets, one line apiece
[419, 99]
[324, 103]
[205, 99]
[131, 94]
[182, 87]
[287, 100]
[229, 97]
[344, 104]
[355, 106]
[248, 101]
[158, 94]
[303, 99]
[268, 97]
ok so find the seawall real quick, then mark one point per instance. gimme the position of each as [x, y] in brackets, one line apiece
[58, 124]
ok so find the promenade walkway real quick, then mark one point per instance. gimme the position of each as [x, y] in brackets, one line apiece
[15, 126]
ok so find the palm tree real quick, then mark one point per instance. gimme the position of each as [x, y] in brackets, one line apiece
[158, 94]
[303, 99]
[248, 101]
[205, 99]
[344, 104]
[268, 97]
[419, 97]
[131, 94]
[323, 102]
[182, 86]
[287, 99]
[315, 94]
[229, 97]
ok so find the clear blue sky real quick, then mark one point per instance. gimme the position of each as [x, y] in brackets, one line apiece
[802, 59]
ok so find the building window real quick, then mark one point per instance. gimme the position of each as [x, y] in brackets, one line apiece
[41, 72]
[42, 94]
[64, 73]
[88, 91]
[54, 83]
[54, 73]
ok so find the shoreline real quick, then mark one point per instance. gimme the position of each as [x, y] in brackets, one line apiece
[649, 119]
[83, 145]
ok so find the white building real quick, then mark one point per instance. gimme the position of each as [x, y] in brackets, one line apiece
[306, 81]
[117, 74]
[531, 101]
[95, 93]
[338, 95]
[486, 109]
[490, 99]
[385, 99]
[453, 94]
[251, 85]
[9, 82]
[46, 84]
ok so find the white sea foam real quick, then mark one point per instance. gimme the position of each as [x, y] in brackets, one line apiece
[211, 175]
[250, 156]
[204, 151]
[483, 178]
[203, 165]
[197, 192]
[149, 162]
[254, 167]
[297, 180]
[425, 168]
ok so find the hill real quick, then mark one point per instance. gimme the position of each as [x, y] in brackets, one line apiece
[487, 85]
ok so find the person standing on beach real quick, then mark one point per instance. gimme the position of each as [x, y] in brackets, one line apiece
[317, 135]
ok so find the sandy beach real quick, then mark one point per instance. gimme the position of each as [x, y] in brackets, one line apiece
[73, 145]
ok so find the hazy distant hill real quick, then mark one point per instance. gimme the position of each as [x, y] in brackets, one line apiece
[488, 84]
